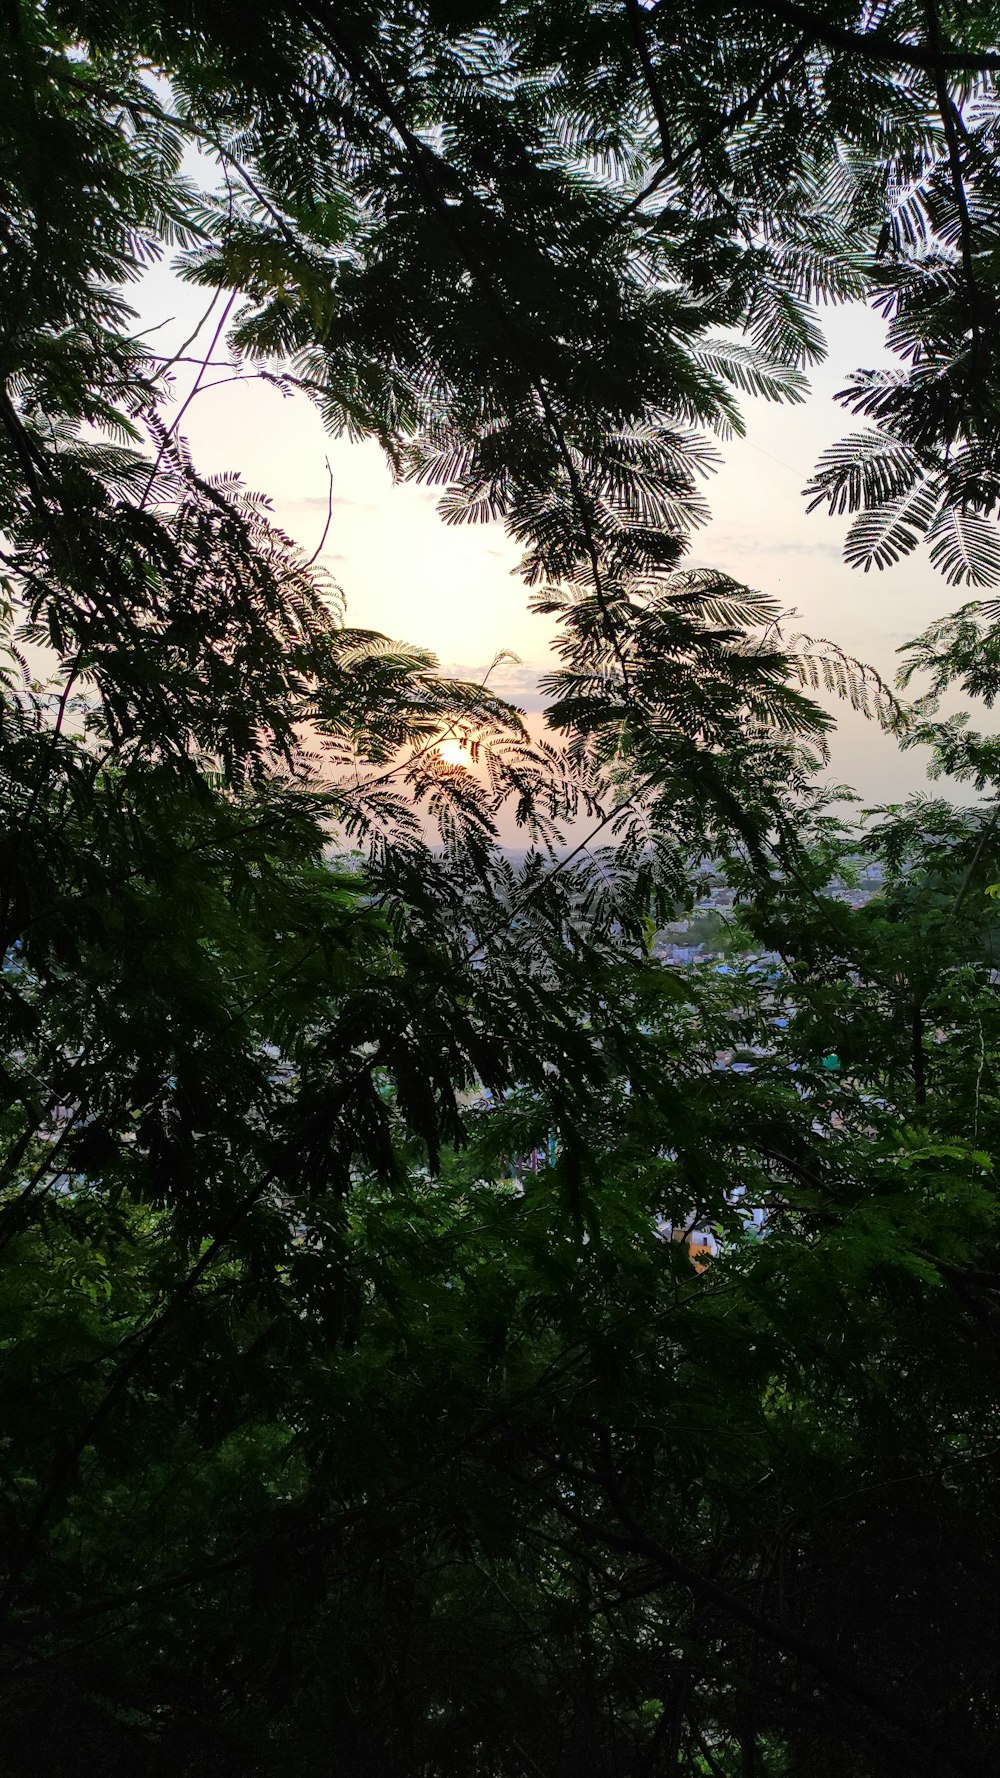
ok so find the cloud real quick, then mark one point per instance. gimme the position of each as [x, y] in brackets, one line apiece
[320, 502]
[515, 680]
[734, 542]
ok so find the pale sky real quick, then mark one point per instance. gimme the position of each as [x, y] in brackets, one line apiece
[452, 589]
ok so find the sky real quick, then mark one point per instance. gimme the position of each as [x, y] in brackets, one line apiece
[455, 589]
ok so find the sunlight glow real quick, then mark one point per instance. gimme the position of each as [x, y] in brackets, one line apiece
[452, 752]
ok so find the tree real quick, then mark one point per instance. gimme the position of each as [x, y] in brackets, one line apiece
[326, 1450]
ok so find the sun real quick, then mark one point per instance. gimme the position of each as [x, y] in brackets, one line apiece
[452, 752]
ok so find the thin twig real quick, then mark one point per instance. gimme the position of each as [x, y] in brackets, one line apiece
[988, 829]
[186, 403]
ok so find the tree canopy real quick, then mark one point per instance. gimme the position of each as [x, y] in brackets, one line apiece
[356, 1414]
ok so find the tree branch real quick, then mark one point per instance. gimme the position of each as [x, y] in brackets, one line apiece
[729, 120]
[891, 51]
[430, 171]
[772, 1630]
[638, 30]
[951, 118]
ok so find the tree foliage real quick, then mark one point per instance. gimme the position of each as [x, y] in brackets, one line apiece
[338, 1437]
